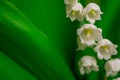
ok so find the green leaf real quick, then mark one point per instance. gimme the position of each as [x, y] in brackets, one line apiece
[9, 70]
[29, 47]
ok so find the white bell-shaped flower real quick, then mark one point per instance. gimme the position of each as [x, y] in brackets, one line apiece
[92, 12]
[74, 12]
[105, 49]
[89, 33]
[71, 2]
[117, 78]
[112, 67]
[87, 64]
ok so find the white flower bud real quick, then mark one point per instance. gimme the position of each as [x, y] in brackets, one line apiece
[87, 64]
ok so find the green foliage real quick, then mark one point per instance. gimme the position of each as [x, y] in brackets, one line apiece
[28, 46]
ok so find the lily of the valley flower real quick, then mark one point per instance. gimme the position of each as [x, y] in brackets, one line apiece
[92, 12]
[74, 12]
[112, 67]
[88, 34]
[71, 2]
[87, 64]
[117, 79]
[105, 49]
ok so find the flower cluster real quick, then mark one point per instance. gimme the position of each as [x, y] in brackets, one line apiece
[75, 11]
[91, 36]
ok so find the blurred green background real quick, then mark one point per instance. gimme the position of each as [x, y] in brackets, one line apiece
[42, 46]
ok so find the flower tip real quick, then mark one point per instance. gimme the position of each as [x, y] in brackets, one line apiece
[101, 13]
[115, 46]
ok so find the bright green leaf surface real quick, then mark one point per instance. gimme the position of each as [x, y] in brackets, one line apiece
[32, 49]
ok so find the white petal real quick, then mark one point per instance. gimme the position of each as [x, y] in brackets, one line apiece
[70, 1]
[108, 74]
[91, 20]
[115, 46]
[80, 45]
[77, 7]
[82, 71]
[117, 78]
[95, 68]
[98, 17]
[99, 56]
[88, 70]
[80, 17]
[90, 43]
[68, 9]
[72, 18]
[87, 61]
[93, 5]
[114, 73]
[106, 56]
[98, 34]
[66, 1]
[74, 11]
